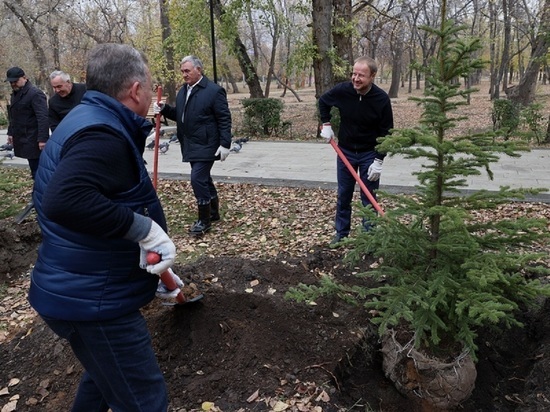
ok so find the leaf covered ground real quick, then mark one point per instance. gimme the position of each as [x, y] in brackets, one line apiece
[245, 347]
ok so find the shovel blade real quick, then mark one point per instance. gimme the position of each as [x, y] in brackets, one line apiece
[24, 213]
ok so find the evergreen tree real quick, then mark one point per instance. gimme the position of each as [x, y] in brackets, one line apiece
[446, 273]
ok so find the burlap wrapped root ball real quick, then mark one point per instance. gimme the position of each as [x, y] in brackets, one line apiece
[441, 384]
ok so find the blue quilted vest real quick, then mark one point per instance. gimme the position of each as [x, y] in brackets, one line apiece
[83, 277]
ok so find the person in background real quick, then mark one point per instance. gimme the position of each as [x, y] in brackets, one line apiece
[203, 123]
[365, 115]
[67, 95]
[28, 118]
[99, 216]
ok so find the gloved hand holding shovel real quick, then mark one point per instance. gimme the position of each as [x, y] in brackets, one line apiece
[170, 285]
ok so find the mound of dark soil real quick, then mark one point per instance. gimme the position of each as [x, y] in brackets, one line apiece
[245, 347]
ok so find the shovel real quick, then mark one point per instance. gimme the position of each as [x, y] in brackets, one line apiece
[364, 188]
[157, 141]
[24, 213]
[166, 278]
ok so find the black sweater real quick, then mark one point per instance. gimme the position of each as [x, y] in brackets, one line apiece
[109, 167]
[363, 118]
[59, 107]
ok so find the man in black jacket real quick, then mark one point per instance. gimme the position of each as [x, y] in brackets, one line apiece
[28, 117]
[67, 95]
[365, 115]
[204, 130]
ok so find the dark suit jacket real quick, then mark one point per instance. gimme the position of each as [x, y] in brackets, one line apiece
[28, 115]
[207, 121]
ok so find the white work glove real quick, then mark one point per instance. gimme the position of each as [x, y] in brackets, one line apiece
[326, 132]
[222, 152]
[373, 174]
[157, 107]
[157, 241]
[162, 290]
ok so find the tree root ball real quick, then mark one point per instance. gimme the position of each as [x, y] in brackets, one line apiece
[435, 384]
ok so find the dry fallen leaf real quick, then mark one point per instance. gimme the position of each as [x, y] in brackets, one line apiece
[10, 406]
[280, 406]
[254, 396]
[323, 396]
[207, 406]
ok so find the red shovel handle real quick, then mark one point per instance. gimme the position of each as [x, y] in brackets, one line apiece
[157, 140]
[166, 277]
[366, 191]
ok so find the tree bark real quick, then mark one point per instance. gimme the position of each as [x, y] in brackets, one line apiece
[28, 21]
[524, 92]
[342, 39]
[249, 70]
[169, 88]
[322, 40]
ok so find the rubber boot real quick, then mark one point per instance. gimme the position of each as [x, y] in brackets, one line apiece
[201, 226]
[214, 209]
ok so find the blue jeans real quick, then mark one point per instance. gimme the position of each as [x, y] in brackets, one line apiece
[202, 183]
[360, 161]
[121, 370]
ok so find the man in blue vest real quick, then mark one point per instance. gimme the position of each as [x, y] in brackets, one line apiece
[99, 216]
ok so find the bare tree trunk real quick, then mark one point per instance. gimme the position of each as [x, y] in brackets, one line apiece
[230, 78]
[493, 27]
[28, 22]
[253, 39]
[170, 86]
[396, 47]
[524, 92]
[322, 66]
[342, 39]
[249, 70]
[505, 59]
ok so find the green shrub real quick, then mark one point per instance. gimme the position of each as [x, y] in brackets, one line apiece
[13, 182]
[3, 118]
[505, 116]
[262, 117]
[533, 121]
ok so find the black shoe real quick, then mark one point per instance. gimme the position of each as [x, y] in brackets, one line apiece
[199, 228]
[336, 239]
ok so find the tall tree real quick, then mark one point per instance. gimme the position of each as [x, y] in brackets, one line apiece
[240, 51]
[524, 92]
[168, 50]
[322, 40]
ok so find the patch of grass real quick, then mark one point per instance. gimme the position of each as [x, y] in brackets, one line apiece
[15, 190]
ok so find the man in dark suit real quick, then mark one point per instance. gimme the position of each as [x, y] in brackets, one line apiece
[204, 130]
[28, 118]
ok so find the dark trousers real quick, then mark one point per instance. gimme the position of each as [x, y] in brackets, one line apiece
[33, 164]
[360, 162]
[202, 183]
[121, 370]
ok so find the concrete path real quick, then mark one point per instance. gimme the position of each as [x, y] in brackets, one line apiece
[313, 164]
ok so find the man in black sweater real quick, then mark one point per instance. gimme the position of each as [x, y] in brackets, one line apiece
[365, 115]
[67, 95]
